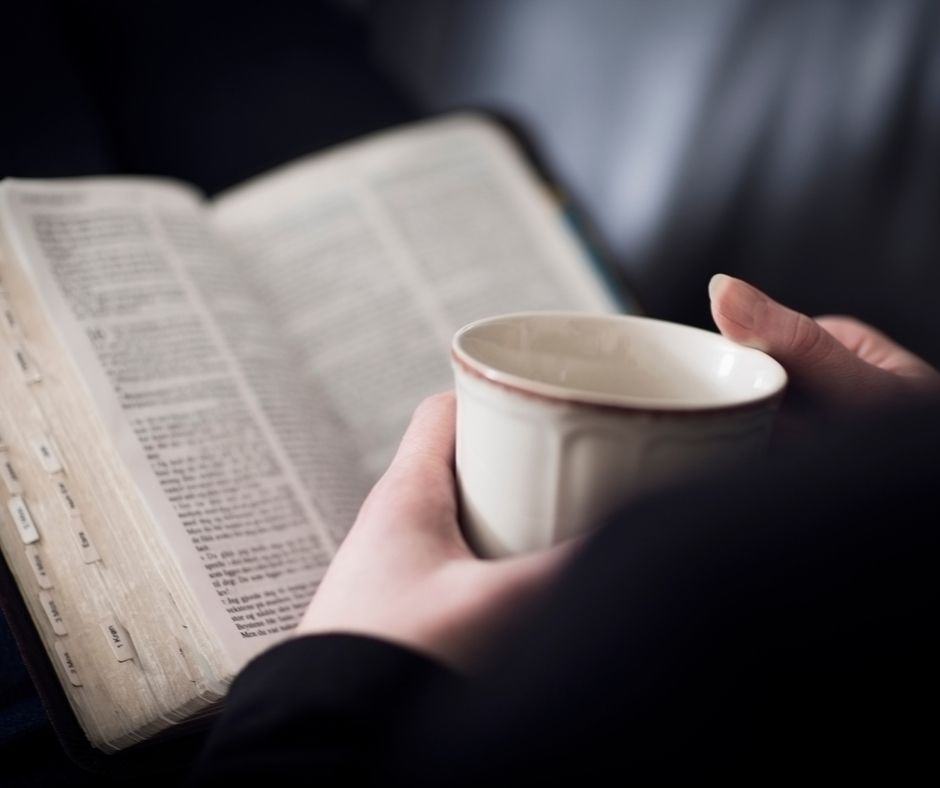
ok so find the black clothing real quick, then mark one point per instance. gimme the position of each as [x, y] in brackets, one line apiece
[771, 625]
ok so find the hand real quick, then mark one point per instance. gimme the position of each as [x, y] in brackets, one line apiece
[836, 360]
[405, 573]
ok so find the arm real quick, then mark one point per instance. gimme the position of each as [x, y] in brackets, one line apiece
[320, 706]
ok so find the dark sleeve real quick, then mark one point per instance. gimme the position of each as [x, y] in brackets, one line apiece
[767, 626]
[320, 706]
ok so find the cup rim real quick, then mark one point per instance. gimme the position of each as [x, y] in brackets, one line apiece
[622, 402]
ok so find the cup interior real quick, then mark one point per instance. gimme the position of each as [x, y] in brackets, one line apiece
[617, 360]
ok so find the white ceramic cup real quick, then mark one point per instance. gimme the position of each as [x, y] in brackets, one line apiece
[563, 417]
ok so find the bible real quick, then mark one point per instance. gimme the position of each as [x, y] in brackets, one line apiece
[196, 394]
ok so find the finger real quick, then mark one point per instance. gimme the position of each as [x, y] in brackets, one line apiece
[548, 561]
[812, 356]
[535, 571]
[876, 348]
[417, 492]
[428, 443]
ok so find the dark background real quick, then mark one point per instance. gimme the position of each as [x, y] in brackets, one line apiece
[793, 143]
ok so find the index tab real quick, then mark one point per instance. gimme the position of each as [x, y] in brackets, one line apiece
[8, 473]
[23, 519]
[48, 457]
[52, 612]
[38, 564]
[66, 497]
[68, 664]
[25, 364]
[89, 553]
[118, 639]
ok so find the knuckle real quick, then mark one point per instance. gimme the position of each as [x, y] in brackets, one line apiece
[806, 339]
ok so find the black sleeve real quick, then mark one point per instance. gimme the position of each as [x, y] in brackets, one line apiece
[320, 706]
[773, 625]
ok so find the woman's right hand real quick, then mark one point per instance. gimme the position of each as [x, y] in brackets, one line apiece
[838, 361]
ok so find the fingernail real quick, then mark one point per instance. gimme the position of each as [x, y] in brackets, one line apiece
[716, 283]
[735, 300]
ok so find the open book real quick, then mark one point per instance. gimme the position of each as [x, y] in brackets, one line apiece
[196, 395]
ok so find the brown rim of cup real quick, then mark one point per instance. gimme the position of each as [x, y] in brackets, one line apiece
[770, 400]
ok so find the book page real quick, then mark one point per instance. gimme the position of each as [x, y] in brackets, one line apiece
[121, 267]
[371, 256]
[297, 409]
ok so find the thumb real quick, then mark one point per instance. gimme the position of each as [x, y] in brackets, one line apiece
[814, 358]
[508, 583]
[536, 569]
